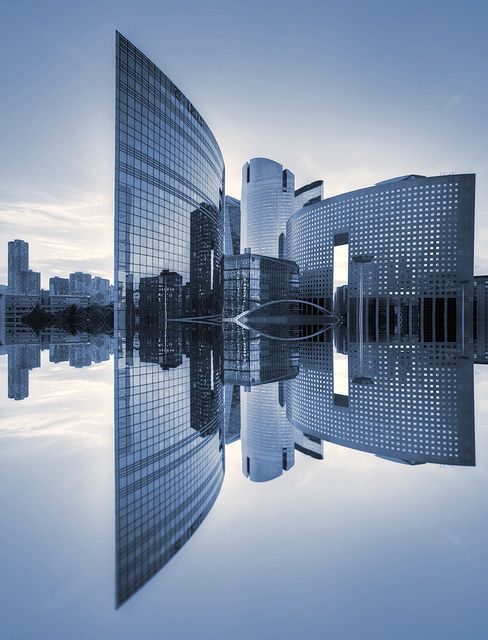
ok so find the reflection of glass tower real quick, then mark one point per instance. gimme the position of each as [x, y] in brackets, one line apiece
[232, 413]
[266, 205]
[169, 461]
[267, 438]
[168, 247]
[206, 401]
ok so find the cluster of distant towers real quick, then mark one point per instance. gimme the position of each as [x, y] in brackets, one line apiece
[23, 281]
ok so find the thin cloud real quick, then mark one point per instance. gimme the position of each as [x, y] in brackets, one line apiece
[70, 233]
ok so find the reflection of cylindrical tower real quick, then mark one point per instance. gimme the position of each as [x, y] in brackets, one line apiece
[267, 438]
[268, 193]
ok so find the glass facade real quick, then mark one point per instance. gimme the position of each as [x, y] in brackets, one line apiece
[251, 280]
[410, 236]
[308, 194]
[415, 406]
[169, 185]
[480, 319]
[232, 234]
[268, 194]
[169, 191]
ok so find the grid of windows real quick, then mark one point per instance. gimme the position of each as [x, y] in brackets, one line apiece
[168, 165]
[418, 231]
[419, 408]
[169, 188]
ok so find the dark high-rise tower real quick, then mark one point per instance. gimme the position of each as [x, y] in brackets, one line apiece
[232, 226]
[21, 280]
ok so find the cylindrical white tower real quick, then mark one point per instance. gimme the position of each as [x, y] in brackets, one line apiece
[268, 193]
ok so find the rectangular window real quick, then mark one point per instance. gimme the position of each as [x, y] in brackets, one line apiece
[340, 265]
[340, 373]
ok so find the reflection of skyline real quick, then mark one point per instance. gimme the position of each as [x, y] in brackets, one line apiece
[80, 350]
[394, 377]
[415, 405]
[383, 386]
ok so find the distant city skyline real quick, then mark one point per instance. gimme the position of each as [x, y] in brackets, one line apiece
[18, 257]
[362, 102]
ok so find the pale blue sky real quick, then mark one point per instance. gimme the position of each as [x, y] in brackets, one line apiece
[351, 92]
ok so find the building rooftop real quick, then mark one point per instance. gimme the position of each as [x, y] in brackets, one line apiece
[307, 187]
[399, 179]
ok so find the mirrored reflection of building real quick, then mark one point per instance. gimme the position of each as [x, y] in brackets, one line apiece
[267, 437]
[308, 444]
[169, 448]
[415, 406]
[232, 413]
[259, 366]
[169, 410]
[79, 350]
[22, 358]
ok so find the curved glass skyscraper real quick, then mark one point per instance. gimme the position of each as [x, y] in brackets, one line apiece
[169, 189]
[268, 195]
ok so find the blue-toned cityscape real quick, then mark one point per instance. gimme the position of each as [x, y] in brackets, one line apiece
[286, 324]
